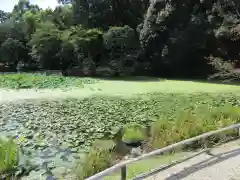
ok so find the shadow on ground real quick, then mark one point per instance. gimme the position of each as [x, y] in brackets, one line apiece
[215, 159]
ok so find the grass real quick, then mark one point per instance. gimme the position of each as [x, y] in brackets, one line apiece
[186, 125]
[189, 124]
[8, 156]
[38, 81]
[97, 160]
[146, 165]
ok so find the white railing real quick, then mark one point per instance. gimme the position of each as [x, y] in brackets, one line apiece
[123, 165]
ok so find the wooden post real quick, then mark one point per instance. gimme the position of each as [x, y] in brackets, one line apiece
[124, 172]
[238, 131]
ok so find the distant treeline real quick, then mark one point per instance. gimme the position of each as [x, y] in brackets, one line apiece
[177, 39]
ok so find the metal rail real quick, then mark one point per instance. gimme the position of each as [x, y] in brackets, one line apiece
[123, 165]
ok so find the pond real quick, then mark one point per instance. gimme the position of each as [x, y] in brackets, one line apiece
[46, 154]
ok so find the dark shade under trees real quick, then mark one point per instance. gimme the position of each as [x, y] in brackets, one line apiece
[178, 38]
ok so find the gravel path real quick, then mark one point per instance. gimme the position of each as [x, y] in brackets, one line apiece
[220, 163]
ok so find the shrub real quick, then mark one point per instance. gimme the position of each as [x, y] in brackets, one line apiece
[120, 37]
[133, 132]
[225, 70]
[97, 159]
[189, 124]
[8, 156]
[10, 51]
[161, 131]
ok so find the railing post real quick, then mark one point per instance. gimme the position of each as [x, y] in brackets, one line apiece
[123, 165]
[238, 131]
[124, 172]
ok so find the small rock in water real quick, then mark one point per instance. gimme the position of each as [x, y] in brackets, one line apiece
[136, 152]
[126, 157]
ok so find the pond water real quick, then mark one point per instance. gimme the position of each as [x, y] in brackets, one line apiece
[46, 155]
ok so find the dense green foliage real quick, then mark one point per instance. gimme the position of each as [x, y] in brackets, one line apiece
[97, 160]
[38, 81]
[189, 124]
[123, 38]
[195, 115]
[78, 123]
[86, 120]
[9, 157]
[133, 132]
[3, 16]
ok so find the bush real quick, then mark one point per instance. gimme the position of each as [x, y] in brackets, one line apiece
[133, 132]
[120, 37]
[189, 124]
[164, 132]
[95, 161]
[10, 51]
[8, 156]
[224, 70]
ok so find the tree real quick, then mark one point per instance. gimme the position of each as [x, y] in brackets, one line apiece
[11, 52]
[30, 21]
[3, 16]
[45, 45]
[22, 7]
[121, 45]
[63, 17]
[106, 13]
[177, 38]
[85, 44]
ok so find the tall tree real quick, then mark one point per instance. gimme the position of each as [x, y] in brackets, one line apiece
[3, 16]
[107, 13]
[80, 10]
[22, 7]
